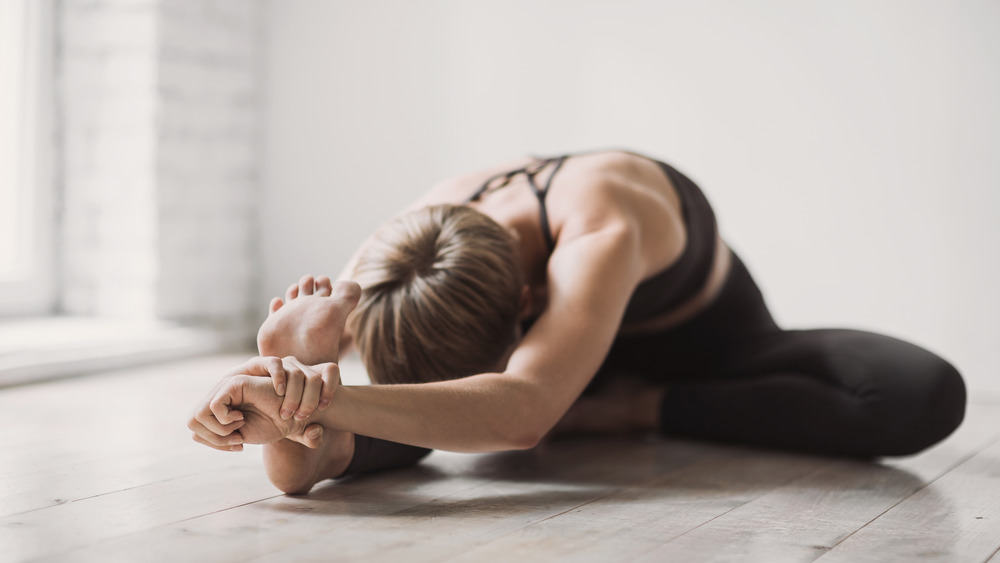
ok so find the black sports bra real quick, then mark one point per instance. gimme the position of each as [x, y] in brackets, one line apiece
[667, 288]
[540, 193]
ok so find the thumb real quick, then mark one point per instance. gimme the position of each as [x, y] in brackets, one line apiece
[311, 437]
[227, 400]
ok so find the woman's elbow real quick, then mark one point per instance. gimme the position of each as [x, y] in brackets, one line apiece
[526, 425]
[523, 436]
[525, 440]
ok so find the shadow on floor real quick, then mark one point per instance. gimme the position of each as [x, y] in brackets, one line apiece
[574, 472]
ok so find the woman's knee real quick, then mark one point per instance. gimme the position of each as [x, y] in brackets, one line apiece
[935, 407]
[947, 406]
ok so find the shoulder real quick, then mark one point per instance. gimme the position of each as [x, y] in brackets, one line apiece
[601, 192]
[619, 192]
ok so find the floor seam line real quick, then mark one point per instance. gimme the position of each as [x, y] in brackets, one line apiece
[738, 506]
[953, 467]
[163, 525]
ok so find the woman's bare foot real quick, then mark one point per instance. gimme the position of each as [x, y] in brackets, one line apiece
[626, 405]
[294, 468]
[309, 322]
[291, 466]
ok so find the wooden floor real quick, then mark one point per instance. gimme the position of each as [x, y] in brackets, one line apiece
[103, 469]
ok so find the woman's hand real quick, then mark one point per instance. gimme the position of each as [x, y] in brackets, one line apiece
[306, 389]
[208, 430]
[245, 407]
[239, 410]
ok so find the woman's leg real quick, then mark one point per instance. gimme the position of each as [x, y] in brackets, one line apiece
[733, 375]
[624, 405]
[841, 392]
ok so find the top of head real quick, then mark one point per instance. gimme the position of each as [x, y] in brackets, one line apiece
[441, 289]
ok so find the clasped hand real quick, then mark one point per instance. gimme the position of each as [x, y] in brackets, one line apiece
[245, 407]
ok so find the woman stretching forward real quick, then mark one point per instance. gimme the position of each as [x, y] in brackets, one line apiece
[580, 293]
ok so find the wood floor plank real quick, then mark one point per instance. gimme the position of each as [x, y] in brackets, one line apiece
[103, 469]
[93, 458]
[96, 435]
[456, 524]
[632, 521]
[802, 520]
[389, 513]
[955, 518]
[243, 531]
[57, 529]
[77, 480]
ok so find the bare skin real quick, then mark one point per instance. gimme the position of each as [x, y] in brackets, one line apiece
[312, 317]
[308, 324]
[301, 324]
[251, 408]
[307, 320]
[617, 221]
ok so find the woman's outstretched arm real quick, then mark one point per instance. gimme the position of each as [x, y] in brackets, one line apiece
[590, 281]
[591, 277]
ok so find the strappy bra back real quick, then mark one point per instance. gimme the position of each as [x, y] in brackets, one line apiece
[530, 172]
[666, 289]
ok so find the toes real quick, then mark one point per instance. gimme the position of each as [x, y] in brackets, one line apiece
[292, 292]
[276, 304]
[348, 291]
[306, 285]
[323, 286]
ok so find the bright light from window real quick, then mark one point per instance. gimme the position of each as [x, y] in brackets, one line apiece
[14, 212]
[26, 106]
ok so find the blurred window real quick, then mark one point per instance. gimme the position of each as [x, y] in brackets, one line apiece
[26, 285]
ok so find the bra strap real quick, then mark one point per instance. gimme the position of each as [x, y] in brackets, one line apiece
[540, 194]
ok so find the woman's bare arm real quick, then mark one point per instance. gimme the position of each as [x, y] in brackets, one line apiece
[590, 281]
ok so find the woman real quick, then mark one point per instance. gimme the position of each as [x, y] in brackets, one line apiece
[590, 289]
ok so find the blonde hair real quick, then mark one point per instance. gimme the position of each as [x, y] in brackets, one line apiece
[440, 298]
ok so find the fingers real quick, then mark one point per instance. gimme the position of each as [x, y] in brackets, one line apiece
[224, 448]
[306, 285]
[208, 431]
[296, 385]
[221, 409]
[323, 286]
[279, 377]
[222, 405]
[205, 418]
[310, 395]
[321, 383]
[318, 384]
[330, 373]
[265, 366]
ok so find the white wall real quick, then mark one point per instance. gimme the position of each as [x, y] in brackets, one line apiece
[849, 147]
[159, 113]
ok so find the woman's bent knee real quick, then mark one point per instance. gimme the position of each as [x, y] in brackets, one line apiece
[937, 408]
[948, 408]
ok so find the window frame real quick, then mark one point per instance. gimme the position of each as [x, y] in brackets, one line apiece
[31, 291]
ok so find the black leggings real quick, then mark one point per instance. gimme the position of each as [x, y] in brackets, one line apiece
[733, 375]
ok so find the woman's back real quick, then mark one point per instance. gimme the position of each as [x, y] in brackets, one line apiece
[587, 193]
